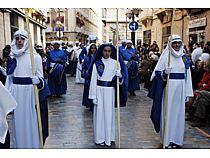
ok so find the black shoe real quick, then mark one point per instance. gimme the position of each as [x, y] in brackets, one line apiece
[58, 96]
[100, 144]
[173, 146]
[133, 93]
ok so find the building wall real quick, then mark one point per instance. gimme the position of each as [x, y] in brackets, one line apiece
[157, 31]
[208, 26]
[5, 37]
[109, 19]
[5, 28]
[2, 41]
[72, 31]
[21, 23]
[180, 25]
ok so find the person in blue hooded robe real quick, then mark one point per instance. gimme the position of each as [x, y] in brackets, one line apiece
[92, 48]
[90, 39]
[56, 63]
[105, 70]
[123, 46]
[131, 60]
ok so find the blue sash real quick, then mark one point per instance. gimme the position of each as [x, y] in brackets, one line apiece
[177, 76]
[105, 83]
[22, 80]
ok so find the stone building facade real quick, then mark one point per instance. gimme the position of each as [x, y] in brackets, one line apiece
[109, 25]
[13, 19]
[71, 24]
[190, 24]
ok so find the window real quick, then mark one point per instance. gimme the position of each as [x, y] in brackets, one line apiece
[48, 20]
[147, 37]
[166, 33]
[13, 24]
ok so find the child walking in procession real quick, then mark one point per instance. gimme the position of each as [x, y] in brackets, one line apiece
[102, 92]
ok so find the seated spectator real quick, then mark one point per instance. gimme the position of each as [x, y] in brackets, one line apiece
[201, 107]
[196, 54]
[197, 73]
[204, 84]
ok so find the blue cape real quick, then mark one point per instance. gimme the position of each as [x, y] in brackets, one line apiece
[155, 93]
[43, 94]
[11, 65]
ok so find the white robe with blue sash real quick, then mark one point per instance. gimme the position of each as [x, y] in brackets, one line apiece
[179, 90]
[104, 97]
[25, 123]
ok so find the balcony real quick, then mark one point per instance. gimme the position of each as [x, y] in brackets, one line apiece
[160, 13]
[193, 11]
[147, 20]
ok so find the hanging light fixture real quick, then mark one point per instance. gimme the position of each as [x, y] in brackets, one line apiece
[128, 13]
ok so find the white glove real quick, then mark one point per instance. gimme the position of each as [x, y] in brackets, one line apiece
[118, 73]
[187, 99]
[35, 80]
[168, 70]
[94, 101]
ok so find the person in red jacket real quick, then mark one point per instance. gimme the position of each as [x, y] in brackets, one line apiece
[204, 84]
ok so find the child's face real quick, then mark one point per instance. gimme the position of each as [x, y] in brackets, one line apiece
[107, 52]
[198, 64]
[93, 49]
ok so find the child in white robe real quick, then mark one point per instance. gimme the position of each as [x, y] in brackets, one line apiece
[102, 92]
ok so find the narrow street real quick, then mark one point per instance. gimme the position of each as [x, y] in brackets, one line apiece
[70, 124]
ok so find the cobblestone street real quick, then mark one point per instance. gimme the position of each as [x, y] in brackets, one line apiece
[70, 123]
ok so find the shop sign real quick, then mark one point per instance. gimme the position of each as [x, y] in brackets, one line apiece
[197, 23]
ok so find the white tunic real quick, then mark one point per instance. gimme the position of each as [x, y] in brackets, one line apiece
[25, 124]
[179, 89]
[79, 79]
[104, 109]
[7, 104]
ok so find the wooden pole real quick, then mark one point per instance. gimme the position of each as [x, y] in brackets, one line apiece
[118, 83]
[33, 74]
[167, 85]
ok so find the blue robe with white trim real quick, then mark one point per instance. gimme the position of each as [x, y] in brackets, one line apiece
[133, 82]
[82, 54]
[85, 66]
[57, 85]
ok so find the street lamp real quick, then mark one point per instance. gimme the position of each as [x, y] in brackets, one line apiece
[131, 13]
